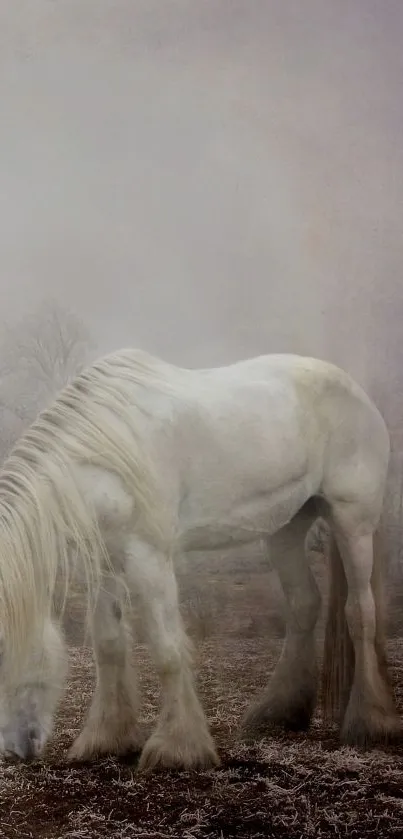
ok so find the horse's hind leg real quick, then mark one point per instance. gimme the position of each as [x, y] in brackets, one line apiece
[182, 737]
[290, 698]
[370, 715]
[111, 725]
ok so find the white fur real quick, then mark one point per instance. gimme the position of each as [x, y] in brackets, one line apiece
[138, 460]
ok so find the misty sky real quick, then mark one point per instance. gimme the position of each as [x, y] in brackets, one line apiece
[207, 180]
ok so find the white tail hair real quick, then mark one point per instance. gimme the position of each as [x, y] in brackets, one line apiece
[46, 526]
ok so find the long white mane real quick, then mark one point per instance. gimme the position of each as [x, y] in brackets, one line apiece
[45, 523]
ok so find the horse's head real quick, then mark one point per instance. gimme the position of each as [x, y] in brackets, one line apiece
[28, 701]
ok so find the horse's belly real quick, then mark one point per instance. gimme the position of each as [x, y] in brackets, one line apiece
[217, 527]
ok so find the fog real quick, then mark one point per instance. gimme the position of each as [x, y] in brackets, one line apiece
[207, 180]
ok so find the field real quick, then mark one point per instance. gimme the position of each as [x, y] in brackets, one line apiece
[288, 785]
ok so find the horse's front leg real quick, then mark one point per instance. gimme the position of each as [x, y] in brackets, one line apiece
[181, 738]
[111, 725]
[290, 697]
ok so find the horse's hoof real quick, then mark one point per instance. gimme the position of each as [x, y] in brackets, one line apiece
[165, 753]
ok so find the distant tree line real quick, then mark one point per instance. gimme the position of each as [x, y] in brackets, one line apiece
[37, 358]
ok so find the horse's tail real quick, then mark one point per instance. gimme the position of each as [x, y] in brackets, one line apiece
[339, 658]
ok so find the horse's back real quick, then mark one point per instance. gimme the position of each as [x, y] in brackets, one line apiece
[281, 413]
[319, 388]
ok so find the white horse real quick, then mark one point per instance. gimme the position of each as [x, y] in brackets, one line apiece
[137, 460]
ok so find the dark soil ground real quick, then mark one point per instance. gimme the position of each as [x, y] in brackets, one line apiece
[287, 786]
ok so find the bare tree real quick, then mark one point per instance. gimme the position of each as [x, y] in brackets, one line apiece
[36, 360]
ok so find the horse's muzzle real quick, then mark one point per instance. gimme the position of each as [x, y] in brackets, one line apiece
[25, 745]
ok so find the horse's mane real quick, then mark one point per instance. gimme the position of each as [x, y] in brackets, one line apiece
[44, 520]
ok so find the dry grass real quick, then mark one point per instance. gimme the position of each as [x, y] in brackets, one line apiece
[289, 785]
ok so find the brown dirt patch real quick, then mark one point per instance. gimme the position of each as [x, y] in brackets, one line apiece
[287, 786]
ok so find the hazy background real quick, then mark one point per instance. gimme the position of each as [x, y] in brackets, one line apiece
[206, 179]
